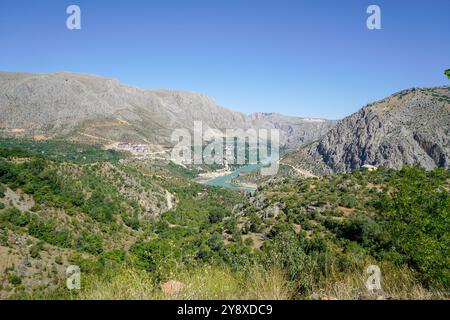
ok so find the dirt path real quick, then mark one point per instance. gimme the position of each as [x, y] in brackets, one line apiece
[301, 171]
[95, 137]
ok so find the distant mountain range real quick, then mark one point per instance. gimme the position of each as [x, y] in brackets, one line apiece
[294, 131]
[86, 107]
[410, 127]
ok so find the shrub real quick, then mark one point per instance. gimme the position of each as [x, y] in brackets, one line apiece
[116, 255]
[348, 201]
[215, 242]
[4, 237]
[132, 222]
[418, 219]
[363, 230]
[286, 252]
[14, 279]
[216, 215]
[2, 191]
[59, 260]
[160, 256]
[231, 226]
[248, 242]
[48, 231]
[90, 243]
[35, 249]
[15, 216]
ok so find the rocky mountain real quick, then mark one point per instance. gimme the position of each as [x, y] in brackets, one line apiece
[295, 131]
[409, 127]
[86, 107]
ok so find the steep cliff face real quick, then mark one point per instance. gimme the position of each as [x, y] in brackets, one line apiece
[411, 127]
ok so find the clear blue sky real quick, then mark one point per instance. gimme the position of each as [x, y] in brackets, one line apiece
[305, 58]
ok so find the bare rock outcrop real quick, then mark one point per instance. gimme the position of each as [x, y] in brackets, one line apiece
[411, 127]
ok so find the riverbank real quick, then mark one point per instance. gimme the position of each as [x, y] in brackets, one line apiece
[224, 178]
[204, 177]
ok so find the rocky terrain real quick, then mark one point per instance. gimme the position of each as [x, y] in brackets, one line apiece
[95, 109]
[295, 131]
[410, 127]
[128, 221]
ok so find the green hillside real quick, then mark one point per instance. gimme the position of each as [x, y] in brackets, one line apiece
[134, 225]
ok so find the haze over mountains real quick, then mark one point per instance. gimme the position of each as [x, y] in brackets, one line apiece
[410, 127]
[104, 110]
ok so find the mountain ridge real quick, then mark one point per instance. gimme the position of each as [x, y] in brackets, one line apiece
[49, 105]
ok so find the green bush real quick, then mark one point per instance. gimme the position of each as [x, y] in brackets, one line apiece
[90, 243]
[216, 215]
[132, 222]
[15, 216]
[116, 255]
[418, 219]
[48, 231]
[348, 201]
[248, 242]
[215, 242]
[365, 231]
[36, 249]
[287, 252]
[14, 279]
[160, 256]
[4, 237]
[255, 223]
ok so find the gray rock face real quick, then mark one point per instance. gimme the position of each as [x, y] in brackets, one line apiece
[295, 131]
[411, 127]
[55, 104]
[86, 106]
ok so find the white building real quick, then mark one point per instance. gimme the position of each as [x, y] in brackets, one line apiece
[369, 167]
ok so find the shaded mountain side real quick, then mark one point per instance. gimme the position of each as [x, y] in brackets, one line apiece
[410, 127]
[88, 107]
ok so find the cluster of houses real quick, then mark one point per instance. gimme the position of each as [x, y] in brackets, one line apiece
[133, 147]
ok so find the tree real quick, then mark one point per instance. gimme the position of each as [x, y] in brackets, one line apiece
[447, 73]
[419, 219]
[216, 215]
